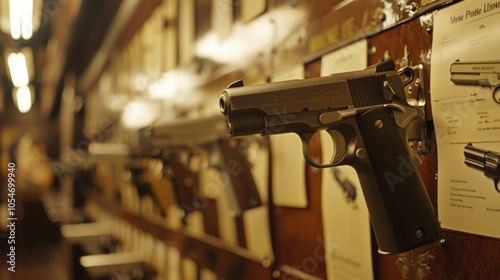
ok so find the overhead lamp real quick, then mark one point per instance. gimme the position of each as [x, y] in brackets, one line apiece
[22, 93]
[248, 40]
[23, 98]
[24, 17]
[18, 69]
[172, 83]
[140, 113]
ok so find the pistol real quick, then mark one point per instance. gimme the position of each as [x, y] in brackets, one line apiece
[482, 73]
[366, 113]
[178, 142]
[486, 161]
[132, 169]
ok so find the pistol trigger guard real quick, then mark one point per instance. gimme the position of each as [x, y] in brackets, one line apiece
[306, 138]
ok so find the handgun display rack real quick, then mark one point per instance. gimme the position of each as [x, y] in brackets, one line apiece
[407, 37]
[224, 259]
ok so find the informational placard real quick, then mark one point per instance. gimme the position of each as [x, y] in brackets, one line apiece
[288, 163]
[466, 112]
[345, 216]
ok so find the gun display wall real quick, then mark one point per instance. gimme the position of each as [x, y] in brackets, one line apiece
[185, 182]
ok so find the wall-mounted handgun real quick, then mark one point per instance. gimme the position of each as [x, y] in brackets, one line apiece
[484, 160]
[177, 142]
[482, 73]
[367, 115]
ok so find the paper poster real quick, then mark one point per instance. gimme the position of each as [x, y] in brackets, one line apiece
[288, 163]
[346, 221]
[466, 114]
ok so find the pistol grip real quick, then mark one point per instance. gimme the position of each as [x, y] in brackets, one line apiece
[401, 214]
[188, 196]
[242, 193]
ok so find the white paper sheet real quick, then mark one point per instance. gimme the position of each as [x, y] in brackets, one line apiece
[288, 163]
[346, 221]
[466, 113]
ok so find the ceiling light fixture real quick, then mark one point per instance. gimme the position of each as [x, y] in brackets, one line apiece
[23, 98]
[21, 19]
[23, 16]
[18, 69]
[22, 92]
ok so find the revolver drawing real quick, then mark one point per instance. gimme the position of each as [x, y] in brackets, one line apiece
[347, 186]
[179, 142]
[482, 73]
[367, 116]
[486, 161]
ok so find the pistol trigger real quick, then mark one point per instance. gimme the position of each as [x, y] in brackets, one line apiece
[497, 184]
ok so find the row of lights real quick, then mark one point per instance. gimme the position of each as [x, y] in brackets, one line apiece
[22, 92]
[22, 25]
[21, 19]
[242, 46]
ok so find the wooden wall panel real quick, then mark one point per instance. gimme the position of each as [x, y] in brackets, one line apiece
[417, 37]
[297, 234]
[462, 256]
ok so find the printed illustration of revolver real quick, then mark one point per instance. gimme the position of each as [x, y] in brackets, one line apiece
[486, 161]
[347, 186]
[485, 73]
[367, 116]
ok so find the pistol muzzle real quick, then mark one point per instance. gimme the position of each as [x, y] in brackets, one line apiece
[224, 107]
[474, 157]
[224, 104]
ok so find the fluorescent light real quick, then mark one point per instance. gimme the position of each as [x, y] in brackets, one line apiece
[23, 99]
[248, 40]
[18, 69]
[172, 83]
[15, 18]
[21, 19]
[140, 113]
[27, 19]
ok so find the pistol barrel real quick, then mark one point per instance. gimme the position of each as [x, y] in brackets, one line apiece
[475, 73]
[296, 105]
[486, 161]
